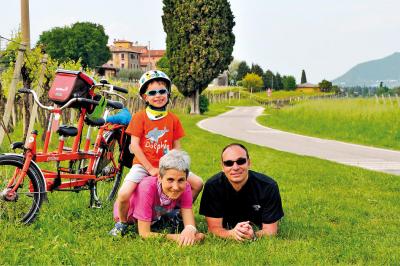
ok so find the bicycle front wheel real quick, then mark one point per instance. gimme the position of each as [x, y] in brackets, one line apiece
[22, 205]
[108, 169]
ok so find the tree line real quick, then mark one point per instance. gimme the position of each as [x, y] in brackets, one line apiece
[254, 77]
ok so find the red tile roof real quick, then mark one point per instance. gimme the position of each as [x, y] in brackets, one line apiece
[158, 53]
[133, 49]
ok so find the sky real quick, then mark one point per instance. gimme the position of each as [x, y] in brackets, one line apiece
[324, 37]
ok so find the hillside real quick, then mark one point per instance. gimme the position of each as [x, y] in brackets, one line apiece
[371, 73]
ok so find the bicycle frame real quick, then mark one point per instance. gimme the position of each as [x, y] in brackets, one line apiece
[76, 180]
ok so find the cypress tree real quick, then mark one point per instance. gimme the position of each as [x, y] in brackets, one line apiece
[268, 79]
[199, 43]
[303, 77]
[278, 85]
[256, 69]
[243, 69]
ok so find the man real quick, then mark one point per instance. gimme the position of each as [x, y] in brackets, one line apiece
[237, 200]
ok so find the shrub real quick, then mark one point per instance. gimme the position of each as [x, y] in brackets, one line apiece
[203, 104]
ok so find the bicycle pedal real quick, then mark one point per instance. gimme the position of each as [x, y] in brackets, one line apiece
[67, 148]
[96, 205]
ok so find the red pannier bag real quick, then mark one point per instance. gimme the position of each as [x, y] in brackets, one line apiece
[69, 84]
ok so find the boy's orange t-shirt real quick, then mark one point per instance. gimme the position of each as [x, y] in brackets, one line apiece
[156, 136]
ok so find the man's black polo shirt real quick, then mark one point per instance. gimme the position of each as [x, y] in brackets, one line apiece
[258, 201]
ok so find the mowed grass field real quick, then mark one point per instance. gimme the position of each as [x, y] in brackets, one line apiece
[363, 121]
[334, 214]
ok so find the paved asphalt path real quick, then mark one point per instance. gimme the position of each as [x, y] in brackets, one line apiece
[240, 123]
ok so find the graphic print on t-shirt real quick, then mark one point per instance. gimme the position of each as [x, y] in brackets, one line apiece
[155, 134]
[153, 137]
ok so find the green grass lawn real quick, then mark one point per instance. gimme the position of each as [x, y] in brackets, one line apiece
[363, 121]
[334, 214]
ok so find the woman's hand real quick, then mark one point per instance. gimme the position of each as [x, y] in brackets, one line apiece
[188, 236]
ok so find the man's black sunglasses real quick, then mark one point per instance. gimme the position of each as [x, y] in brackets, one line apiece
[230, 163]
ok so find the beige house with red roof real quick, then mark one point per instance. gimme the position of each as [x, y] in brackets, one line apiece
[124, 55]
[129, 56]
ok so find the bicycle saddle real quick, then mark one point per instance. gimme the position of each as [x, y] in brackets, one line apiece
[67, 131]
[95, 122]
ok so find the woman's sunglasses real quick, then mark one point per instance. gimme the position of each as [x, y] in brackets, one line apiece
[155, 92]
[230, 163]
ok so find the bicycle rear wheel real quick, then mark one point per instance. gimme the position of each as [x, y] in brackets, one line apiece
[22, 205]
[108, 167]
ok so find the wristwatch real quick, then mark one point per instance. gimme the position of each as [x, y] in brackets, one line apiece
[192, 227]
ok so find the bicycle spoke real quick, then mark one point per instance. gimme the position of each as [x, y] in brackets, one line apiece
[21, 205]
[103, 191]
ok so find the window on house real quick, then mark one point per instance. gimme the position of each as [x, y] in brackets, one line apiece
[122, 65]
[122, 56]
[132, 56]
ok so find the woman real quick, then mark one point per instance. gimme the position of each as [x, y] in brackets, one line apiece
[156, 199]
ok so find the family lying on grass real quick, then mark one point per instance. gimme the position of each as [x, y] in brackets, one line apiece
[158, 192]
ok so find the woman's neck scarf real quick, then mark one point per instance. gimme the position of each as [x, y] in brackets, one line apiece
[164, 200]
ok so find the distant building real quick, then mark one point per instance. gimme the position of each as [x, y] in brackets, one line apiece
[307, 87]
[149, 58]
[106, 71]
[124, 55]
[221, 80]
[127, 55]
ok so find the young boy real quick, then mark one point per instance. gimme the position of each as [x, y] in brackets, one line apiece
[154, 131]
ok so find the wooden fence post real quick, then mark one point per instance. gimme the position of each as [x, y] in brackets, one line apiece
[12, 89]
[34, 110]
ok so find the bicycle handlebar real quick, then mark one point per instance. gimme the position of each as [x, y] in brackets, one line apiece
[24, 90]
[115, 104]
[104, 82]
[113, 93]
[111, 88]
[36, 98]
[120, 89]
[50, 108]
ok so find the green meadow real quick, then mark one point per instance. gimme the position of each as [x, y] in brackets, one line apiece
[365, 121]
[334, 214]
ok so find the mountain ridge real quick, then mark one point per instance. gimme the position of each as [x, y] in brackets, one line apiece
[371, 73]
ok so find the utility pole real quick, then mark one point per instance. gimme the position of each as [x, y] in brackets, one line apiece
[26, 36]
[272, 83]
[25, 32]
[149, 64]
